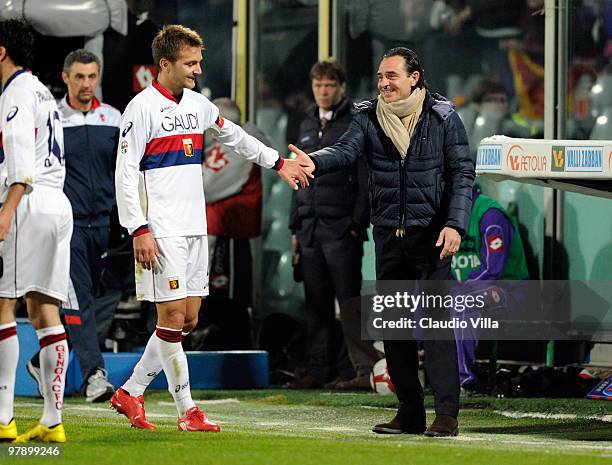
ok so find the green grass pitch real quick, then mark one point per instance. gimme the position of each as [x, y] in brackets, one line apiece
[317, 427]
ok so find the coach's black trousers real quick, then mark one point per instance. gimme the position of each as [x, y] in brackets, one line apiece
[415, 257]
[332, 270]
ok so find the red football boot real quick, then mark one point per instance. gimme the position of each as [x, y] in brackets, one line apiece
[195, 420]
[132, 407]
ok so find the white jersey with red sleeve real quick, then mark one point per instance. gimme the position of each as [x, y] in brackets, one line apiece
[159, 176]
[32, 142]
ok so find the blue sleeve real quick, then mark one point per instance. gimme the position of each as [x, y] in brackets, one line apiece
[496, 231]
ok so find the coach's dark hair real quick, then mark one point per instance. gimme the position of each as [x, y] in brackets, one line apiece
[17, 38]
[412, 63]
[330, 69]
[80, 56]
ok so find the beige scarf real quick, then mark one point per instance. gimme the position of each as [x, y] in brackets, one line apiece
[398, 119]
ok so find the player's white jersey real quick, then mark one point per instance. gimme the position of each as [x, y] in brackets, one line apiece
[27, 108]
[159, 175]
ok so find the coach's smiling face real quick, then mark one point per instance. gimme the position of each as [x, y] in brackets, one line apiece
[182, 73]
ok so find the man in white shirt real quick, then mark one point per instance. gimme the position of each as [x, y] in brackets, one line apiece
[35, 231]
[160, 199]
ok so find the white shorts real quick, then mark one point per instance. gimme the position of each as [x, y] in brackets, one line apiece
[182, 270]
[36, 252]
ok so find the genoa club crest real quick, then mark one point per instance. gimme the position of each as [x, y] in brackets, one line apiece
[188, 147]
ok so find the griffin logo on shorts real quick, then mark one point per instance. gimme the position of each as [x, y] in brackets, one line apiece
[188, 147]
[174, 283]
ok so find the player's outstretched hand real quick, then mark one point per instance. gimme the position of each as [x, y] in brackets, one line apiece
[303, 159]
[146, 251]
[292, 172]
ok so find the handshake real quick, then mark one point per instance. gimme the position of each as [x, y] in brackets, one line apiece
[297, 170]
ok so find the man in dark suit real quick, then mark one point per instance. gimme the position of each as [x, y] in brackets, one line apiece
[329, 220]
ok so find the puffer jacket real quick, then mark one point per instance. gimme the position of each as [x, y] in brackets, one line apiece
[431, 186]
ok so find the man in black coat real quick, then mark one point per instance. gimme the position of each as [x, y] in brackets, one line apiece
[420, 178]
[329, 220]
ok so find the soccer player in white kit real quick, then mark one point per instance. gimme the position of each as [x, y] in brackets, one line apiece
[35, 231]
[160, 200]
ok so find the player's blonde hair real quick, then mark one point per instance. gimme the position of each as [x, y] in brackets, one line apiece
[171, 39]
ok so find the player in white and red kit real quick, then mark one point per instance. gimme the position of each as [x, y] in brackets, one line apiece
[160, 199]
[35, 231]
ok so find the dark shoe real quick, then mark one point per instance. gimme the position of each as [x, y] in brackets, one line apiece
[332, 384]
[399, 426]
[442, 426]
[306, 382]
[358, 383]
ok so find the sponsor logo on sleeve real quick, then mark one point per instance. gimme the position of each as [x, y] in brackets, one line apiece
[495, 244]
[12, 113]
[126, 129]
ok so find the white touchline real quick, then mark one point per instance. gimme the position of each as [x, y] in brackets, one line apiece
[204, 402]
[554, 416]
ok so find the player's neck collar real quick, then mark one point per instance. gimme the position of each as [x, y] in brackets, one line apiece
[162, 90]
[12, 78]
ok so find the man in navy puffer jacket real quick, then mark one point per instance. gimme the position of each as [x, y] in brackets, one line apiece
[420, 178]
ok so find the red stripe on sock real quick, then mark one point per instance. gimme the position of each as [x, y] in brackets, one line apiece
[48, 340]
[168, 335]
[72, 319]
[8, 332]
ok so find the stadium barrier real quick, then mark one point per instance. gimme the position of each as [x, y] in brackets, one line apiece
[238, 369]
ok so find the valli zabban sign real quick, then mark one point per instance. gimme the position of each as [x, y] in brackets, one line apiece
[545, 158]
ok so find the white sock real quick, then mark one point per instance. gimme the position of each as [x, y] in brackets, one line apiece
[175, 366]
[145, 371]
[53, 367]
[9, 348]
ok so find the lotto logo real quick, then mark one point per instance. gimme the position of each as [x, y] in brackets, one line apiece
[496, 244]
